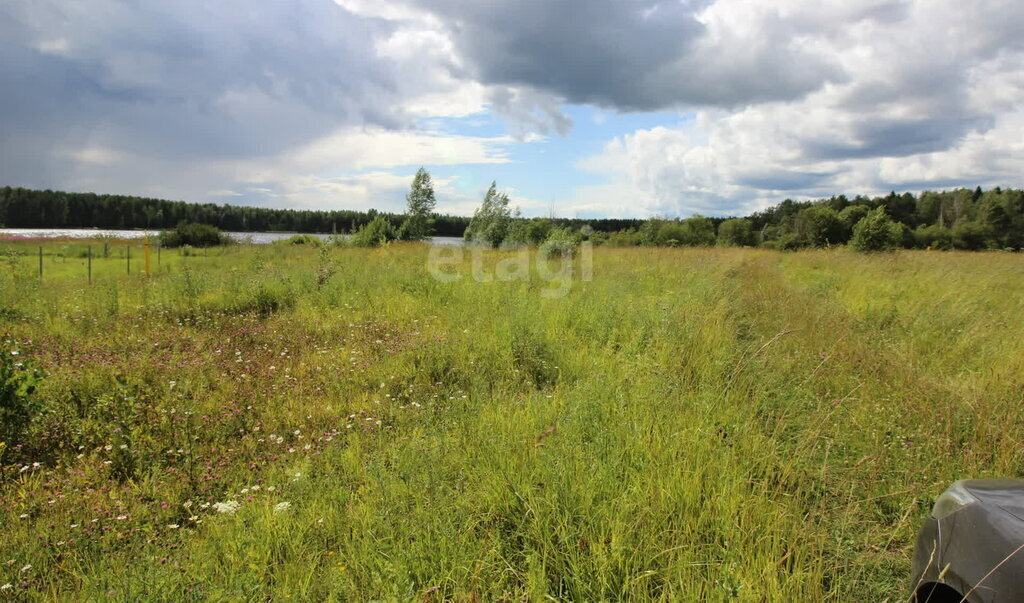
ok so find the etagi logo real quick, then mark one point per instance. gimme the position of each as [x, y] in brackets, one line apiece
[555, 265]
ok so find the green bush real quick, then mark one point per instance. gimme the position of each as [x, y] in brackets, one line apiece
[194, 235]
[971, 236]
[301, 239]
[263, 299]
[933, 236]
[18, 382]
[786, 242]
[876, 232]
[378, 232]
[623, 238]
[696, 231]
[561, 242]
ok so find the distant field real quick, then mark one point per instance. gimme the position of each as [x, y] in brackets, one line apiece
[280, 421]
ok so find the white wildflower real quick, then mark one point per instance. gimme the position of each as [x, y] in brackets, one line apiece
[281, 507]
[229, 506]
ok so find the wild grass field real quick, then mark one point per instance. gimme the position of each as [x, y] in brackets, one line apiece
[284, 422]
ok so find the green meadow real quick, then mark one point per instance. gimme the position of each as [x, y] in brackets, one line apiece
[253, 423]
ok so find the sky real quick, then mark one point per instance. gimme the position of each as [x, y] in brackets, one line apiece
[577, 108]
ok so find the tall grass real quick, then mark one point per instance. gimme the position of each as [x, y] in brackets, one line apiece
[692, 424]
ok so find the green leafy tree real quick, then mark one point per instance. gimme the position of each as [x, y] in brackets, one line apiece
[819, 226]
[537, 230]
[492, 220]
[736, 232]
[970, 235]
[697, 231]
[934, 236]
[421, 202]
[851, 215]
[876, 232]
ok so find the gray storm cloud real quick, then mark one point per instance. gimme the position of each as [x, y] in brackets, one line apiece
[186, 78]
[792, 97]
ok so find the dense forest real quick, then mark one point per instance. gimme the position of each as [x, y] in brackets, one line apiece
[957, 219]
[26, 208]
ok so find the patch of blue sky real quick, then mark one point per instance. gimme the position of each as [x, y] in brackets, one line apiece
[544, 170]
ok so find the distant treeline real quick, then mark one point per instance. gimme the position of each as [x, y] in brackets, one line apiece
[27, 208]
[957, 219]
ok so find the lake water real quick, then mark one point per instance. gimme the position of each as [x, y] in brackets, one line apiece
[256, 238]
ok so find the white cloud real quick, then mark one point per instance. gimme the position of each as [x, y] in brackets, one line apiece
[315, 103]
[932, 96]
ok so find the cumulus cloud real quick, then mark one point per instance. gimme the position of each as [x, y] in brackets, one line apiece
[211, 79]
[634, 54]
[932, 97]
[299, 100]
[352, 168]
[116, 83]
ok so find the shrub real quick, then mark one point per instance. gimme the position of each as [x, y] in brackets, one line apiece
[623, 238]
[301, 239]
[876, 232]
[378, 232]
[933, 236]
[696, 231]
[786, 242]
[194, 235]
[263, 299]
[537, 230]
[970, 235]
[18, 382]
[561, 242]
